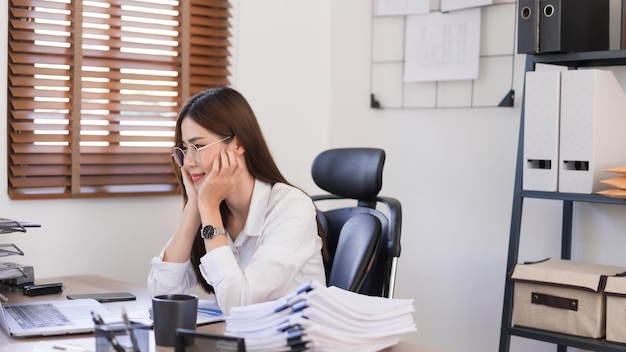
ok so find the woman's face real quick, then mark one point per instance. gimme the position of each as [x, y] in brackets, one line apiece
[198, 162]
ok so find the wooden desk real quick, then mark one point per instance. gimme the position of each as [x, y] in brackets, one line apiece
[73, 284]
[87, 284]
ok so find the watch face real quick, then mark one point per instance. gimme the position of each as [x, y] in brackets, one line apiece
[208, 231]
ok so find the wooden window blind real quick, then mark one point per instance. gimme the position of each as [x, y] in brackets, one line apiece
[94, 88]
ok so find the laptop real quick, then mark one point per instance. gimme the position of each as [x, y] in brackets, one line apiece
[45, 318]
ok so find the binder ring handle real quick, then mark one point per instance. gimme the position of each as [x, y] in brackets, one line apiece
[548, 11]
[526, 12]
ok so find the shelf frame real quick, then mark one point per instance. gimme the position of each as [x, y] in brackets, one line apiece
[572, 61]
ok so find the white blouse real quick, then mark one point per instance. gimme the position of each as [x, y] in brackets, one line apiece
[277, 250]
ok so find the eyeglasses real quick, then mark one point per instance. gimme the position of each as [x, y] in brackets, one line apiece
[193, 152]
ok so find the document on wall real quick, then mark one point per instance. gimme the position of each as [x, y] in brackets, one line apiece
[442, 46]
[452, 5]
[402, 7]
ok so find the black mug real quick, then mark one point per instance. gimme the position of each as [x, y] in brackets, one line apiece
[171, 312]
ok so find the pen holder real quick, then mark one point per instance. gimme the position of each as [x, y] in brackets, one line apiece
[118, 337]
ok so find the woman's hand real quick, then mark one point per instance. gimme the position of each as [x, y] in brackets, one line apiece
[222, 179]
[190, 189]
[178, 249]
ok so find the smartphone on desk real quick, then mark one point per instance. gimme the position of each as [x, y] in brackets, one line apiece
[105, 296]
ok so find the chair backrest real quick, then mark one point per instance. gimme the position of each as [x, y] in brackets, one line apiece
[355, 252]
[355, 174]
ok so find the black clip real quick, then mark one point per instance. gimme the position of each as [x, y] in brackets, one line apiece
[46, 289]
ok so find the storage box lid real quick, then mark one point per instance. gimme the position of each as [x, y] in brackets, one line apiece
[566, 273]
[616, 285]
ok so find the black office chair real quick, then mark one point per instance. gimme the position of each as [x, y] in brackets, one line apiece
[363, 242]
[354, 252]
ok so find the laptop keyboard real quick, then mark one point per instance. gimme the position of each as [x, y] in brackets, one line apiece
[38, 316]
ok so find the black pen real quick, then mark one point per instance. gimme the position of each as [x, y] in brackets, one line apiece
[97, 319]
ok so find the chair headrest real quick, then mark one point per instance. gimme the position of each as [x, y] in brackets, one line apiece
[350, 172]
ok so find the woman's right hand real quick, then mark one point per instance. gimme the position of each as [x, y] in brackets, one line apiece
[179, 247]
[190, 189]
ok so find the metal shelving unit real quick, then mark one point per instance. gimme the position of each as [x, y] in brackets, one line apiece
[9, 271]
[572, 61]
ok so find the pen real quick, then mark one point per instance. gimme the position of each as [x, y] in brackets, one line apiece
[66, 347]
[129, 330]
[97, 319]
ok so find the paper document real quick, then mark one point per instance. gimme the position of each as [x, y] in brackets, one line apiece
[85, 345]
[324, 318]
[208, 312]
[402, 7]
[442, 46]
[452, 5]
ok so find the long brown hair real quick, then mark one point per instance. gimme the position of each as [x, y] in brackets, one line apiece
[225, 112]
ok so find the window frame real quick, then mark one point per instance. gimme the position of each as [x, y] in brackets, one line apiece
[84, 163]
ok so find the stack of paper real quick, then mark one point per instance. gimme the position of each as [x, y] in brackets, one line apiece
[320, 318]
[618, 183]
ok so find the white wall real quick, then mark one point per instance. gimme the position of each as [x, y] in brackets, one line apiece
[282, 66]
[453, 170]
[304, 66]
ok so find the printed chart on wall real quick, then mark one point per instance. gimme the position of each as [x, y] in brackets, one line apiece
[442, 53]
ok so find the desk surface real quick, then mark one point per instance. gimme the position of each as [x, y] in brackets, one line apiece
[90, 284]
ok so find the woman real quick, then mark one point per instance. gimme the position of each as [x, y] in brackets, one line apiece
[245, 233]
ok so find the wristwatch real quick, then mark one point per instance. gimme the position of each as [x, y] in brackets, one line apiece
[210, 231]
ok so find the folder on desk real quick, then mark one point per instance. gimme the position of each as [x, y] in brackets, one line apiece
[528, 27]
[541, 130]
[593, 121]
[573, 25]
